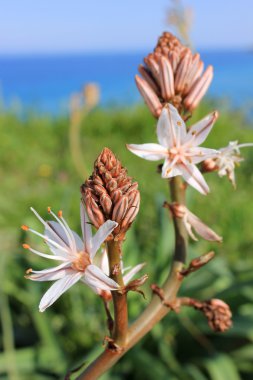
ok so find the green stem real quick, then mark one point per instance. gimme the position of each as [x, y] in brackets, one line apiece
[177, 191]
[119, 300]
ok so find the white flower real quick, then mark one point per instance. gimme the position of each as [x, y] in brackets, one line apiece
[191, 221]
[104, 265]
[76, 256]
[228, 158]
[179, 147]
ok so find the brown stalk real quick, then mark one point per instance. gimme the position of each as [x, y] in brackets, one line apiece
[156, 310]
[120, 326]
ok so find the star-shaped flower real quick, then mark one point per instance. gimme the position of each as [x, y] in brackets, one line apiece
[179, 148]
[228, 158]
[76, 256]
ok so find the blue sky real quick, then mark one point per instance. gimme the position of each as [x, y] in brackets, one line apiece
[30, 26]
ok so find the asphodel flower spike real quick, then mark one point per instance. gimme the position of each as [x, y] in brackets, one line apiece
[76, 256]
[110, 193]
[172, 73]
[179, 148]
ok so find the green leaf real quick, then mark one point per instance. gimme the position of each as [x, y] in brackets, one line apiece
[221, 367]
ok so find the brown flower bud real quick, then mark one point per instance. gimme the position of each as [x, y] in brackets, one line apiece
[209, 165]
[218, 314]
[172, 73]
[110, 194]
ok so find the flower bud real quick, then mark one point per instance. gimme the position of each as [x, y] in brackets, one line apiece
[110, 194]
[172, 73]
[218, 314]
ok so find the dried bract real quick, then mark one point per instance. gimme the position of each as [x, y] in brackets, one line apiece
[110, 194]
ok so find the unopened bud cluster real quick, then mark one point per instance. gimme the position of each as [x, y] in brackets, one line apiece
[172, 73]
[218, 314]
[111, 194]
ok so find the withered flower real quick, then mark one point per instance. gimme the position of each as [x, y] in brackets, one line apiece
[218, 314]
[110, 194]
[173, 74]
[191, 221]
[216, 311]
[226, 161]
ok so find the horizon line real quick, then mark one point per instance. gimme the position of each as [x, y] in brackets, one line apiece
[117, 51]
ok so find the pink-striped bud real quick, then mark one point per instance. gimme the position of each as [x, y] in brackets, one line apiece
[149, 96]
[199, 89]
[145, 72]
[166, 79]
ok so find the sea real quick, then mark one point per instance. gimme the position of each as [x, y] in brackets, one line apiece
[44, 83]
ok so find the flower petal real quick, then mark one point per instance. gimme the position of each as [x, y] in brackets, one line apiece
[51, 274]
[170, 127]
[104, 264]
[188, 227]
[199, 154]
[78, 240]
[94, 276]
[56, 228]
[202, 128]
[201, 228]
[150, 152]
[55, 232]
[57, 289]
[100, 236]
[86, 228]
[169, 169]
[193, 177]
[127, 277]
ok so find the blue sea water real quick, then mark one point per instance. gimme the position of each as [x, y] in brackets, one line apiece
[45, 82]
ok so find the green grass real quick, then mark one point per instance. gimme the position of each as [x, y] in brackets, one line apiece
[37, 170]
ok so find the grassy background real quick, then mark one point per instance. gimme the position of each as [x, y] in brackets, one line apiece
[37, 170]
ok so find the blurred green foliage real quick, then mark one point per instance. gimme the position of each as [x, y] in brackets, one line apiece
[37, 169]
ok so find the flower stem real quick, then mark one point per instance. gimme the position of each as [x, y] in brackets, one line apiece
[119, 300]
[177, 191]
[156, 310]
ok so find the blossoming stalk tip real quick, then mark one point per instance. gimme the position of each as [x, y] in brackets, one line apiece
[111, 194]
[179, 148]
[172, 73]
